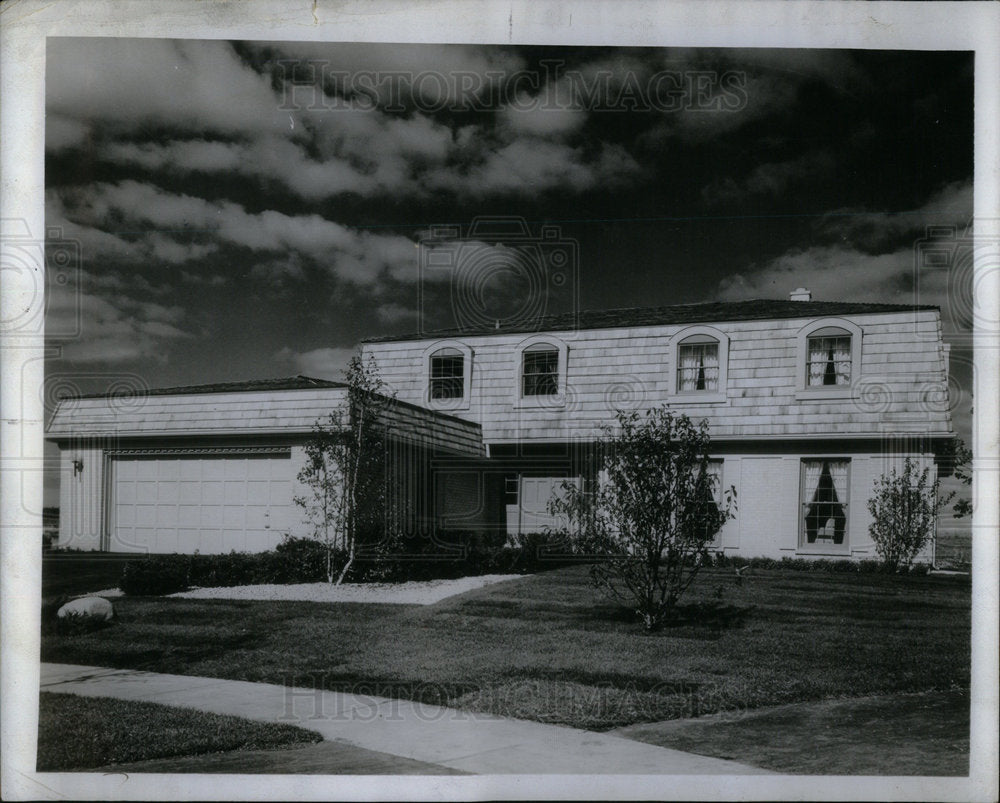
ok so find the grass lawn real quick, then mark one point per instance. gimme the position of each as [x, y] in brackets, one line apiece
[547, 648]
[901, 734]
[80, 733]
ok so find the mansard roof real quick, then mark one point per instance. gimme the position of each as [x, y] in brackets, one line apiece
[710, 312]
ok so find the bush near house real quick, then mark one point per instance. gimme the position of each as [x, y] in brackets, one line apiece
[304, 560]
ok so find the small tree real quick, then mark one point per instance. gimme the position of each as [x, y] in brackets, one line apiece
[904, 509]
[958, 459]
[345, 469]
[651, 516]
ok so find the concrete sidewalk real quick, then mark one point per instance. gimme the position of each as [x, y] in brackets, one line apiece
[458, 740]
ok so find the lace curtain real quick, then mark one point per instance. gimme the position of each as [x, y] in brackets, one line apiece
[829, 361]
[699, 367]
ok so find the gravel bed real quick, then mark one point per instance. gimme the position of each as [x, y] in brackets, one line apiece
[413, 593]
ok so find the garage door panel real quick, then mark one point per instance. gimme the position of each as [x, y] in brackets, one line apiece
[189, 493]
[166, 516]
[279, 493]
[189, 540]
[145, 515]
[211, 516]
[234, 469]
[212, 469]
[262, 469]
[167, 493]
[234, 518]
[211, 493]
[235, 493]
[167, 469]
[188, 515]
[257, 492]
[145, 491]
[145, 469]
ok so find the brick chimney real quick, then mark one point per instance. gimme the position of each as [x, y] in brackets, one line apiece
[800, 294]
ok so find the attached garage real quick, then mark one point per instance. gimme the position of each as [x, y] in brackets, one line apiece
[214, 468]
[206, 502]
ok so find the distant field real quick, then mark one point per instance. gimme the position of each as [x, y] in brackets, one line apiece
[954, 550]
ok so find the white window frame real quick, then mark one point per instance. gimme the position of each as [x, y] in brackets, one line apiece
[448, 404]
[557, 401]
[802, 547]
[806, 392]
[698, 334]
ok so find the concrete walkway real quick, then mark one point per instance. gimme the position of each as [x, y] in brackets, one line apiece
[458, 740]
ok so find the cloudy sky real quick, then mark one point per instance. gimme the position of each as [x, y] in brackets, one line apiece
[237, 210]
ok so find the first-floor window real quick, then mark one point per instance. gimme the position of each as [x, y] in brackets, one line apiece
[708, 490]
[447, 374]
[824, 503]
[511, 488]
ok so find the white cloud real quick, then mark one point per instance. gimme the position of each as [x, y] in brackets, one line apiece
[130, 83]
[951, 205]
[772, 178]
[391, 313]
[356, 256]
[112, 331]
[530, 165]
[833, 273]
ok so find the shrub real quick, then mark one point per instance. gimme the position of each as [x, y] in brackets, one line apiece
[301, 560]
[904, 508]
[157, 575]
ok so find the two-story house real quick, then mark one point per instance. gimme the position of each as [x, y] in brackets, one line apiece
[808, 403]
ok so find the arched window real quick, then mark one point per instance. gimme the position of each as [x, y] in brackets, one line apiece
[541, 372]
[698, 364]
[828, 359]
[700, 356]
[448, 371]
[447, 374]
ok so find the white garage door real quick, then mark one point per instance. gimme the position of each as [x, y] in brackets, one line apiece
[212, 504]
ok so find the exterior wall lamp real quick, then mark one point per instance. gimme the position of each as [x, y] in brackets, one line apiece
[77, 467]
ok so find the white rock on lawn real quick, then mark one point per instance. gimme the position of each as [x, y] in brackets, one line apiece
[98, 607]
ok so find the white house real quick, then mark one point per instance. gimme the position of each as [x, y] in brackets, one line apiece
[808, 403]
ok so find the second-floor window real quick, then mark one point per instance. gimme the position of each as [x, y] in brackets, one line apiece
[828, 360]
[540, 371]
[447, 374]
[698, 365]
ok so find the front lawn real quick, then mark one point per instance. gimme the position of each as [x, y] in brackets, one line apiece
[545, 647]
[81, 733]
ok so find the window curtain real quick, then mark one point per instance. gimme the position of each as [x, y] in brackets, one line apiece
[826, 493]
[813, 471]
[689, 368]
[842, 359]
[710, 362]
[817, 361]
[838, 472]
